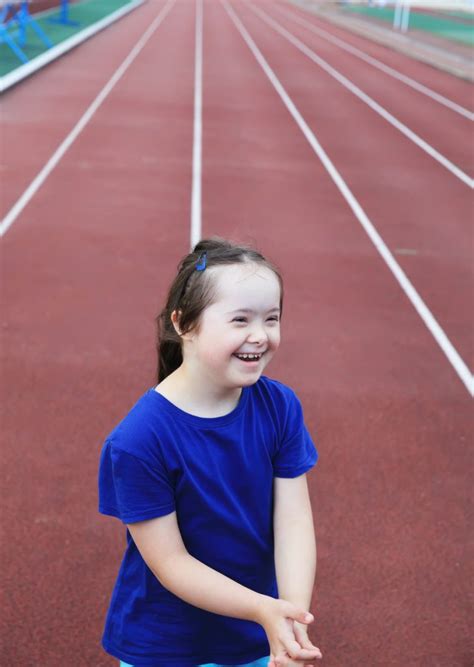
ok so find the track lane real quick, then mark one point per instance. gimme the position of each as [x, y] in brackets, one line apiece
[61, 92]
[377, 64]
[450, 86]
[101, 240]
[410, 208]
[377, 393]
[446, 133]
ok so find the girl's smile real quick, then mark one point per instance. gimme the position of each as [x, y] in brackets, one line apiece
[250, 360]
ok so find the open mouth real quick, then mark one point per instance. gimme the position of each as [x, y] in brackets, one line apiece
[249, 358]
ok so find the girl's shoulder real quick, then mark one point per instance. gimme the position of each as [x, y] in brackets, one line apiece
[136, 433]
[278, 390]
[286, 407]
[281, 401]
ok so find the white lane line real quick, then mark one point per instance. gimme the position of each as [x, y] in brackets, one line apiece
[379, 64]
[437, 332]
[34, 186]
[426, 147]
[197, 136]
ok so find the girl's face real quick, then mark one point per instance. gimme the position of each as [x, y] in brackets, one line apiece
[243, 319]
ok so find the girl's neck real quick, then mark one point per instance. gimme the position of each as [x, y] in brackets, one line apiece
[198, 397]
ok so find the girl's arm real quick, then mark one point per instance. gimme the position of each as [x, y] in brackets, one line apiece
[202, 586]
[160, 544]
[295, 540]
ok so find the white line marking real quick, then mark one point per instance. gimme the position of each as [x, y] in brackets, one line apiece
[437, 332]
[34, 186]
[53, 53]
[197, 130]
[379, 65]
[365, 98]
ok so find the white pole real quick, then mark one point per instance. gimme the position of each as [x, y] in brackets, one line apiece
[397, 14]
[405, 16]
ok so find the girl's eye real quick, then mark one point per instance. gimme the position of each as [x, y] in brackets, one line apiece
[243, 319]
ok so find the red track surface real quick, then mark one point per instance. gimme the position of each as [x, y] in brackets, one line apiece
[41, 5]
[86, 267]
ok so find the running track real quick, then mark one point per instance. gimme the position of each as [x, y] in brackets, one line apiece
[87, 261]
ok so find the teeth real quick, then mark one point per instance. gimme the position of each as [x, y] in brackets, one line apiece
[249, 356]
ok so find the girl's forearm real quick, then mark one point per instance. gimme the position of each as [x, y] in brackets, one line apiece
[206, 588]
[295, 561]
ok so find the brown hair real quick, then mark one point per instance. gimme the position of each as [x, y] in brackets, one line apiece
[192, 291]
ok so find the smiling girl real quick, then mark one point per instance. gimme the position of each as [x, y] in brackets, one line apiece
[207, 472]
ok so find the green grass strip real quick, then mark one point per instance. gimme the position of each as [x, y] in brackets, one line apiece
[86, 13]
[441, 26]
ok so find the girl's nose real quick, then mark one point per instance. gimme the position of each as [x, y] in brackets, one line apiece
[257, 335]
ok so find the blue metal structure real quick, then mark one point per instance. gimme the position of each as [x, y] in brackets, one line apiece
[63, 17]
[20, 15]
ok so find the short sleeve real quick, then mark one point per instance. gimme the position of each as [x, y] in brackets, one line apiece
[131, 489]
[296, 452]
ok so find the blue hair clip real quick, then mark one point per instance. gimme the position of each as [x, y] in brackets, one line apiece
[202, 262]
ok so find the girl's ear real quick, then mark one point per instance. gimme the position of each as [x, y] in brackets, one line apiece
[175, 317]
[175, 321]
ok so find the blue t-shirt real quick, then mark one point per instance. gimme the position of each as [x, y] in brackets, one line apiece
[217, 474]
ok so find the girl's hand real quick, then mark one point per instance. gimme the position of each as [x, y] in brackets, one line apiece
[277, 619]
[301, 635]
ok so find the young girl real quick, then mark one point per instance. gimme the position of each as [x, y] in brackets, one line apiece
[207, 473]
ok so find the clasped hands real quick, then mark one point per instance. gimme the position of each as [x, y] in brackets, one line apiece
[286, 627]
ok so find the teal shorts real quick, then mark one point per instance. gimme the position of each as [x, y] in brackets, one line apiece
[261, 662]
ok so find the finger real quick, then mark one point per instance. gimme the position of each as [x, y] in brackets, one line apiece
[315, 649]
[284, 660]
[304, 617]
[292, 647]
[305, 642]
[308, 654]
[303, 639]
[299, 615]
[296, 652]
